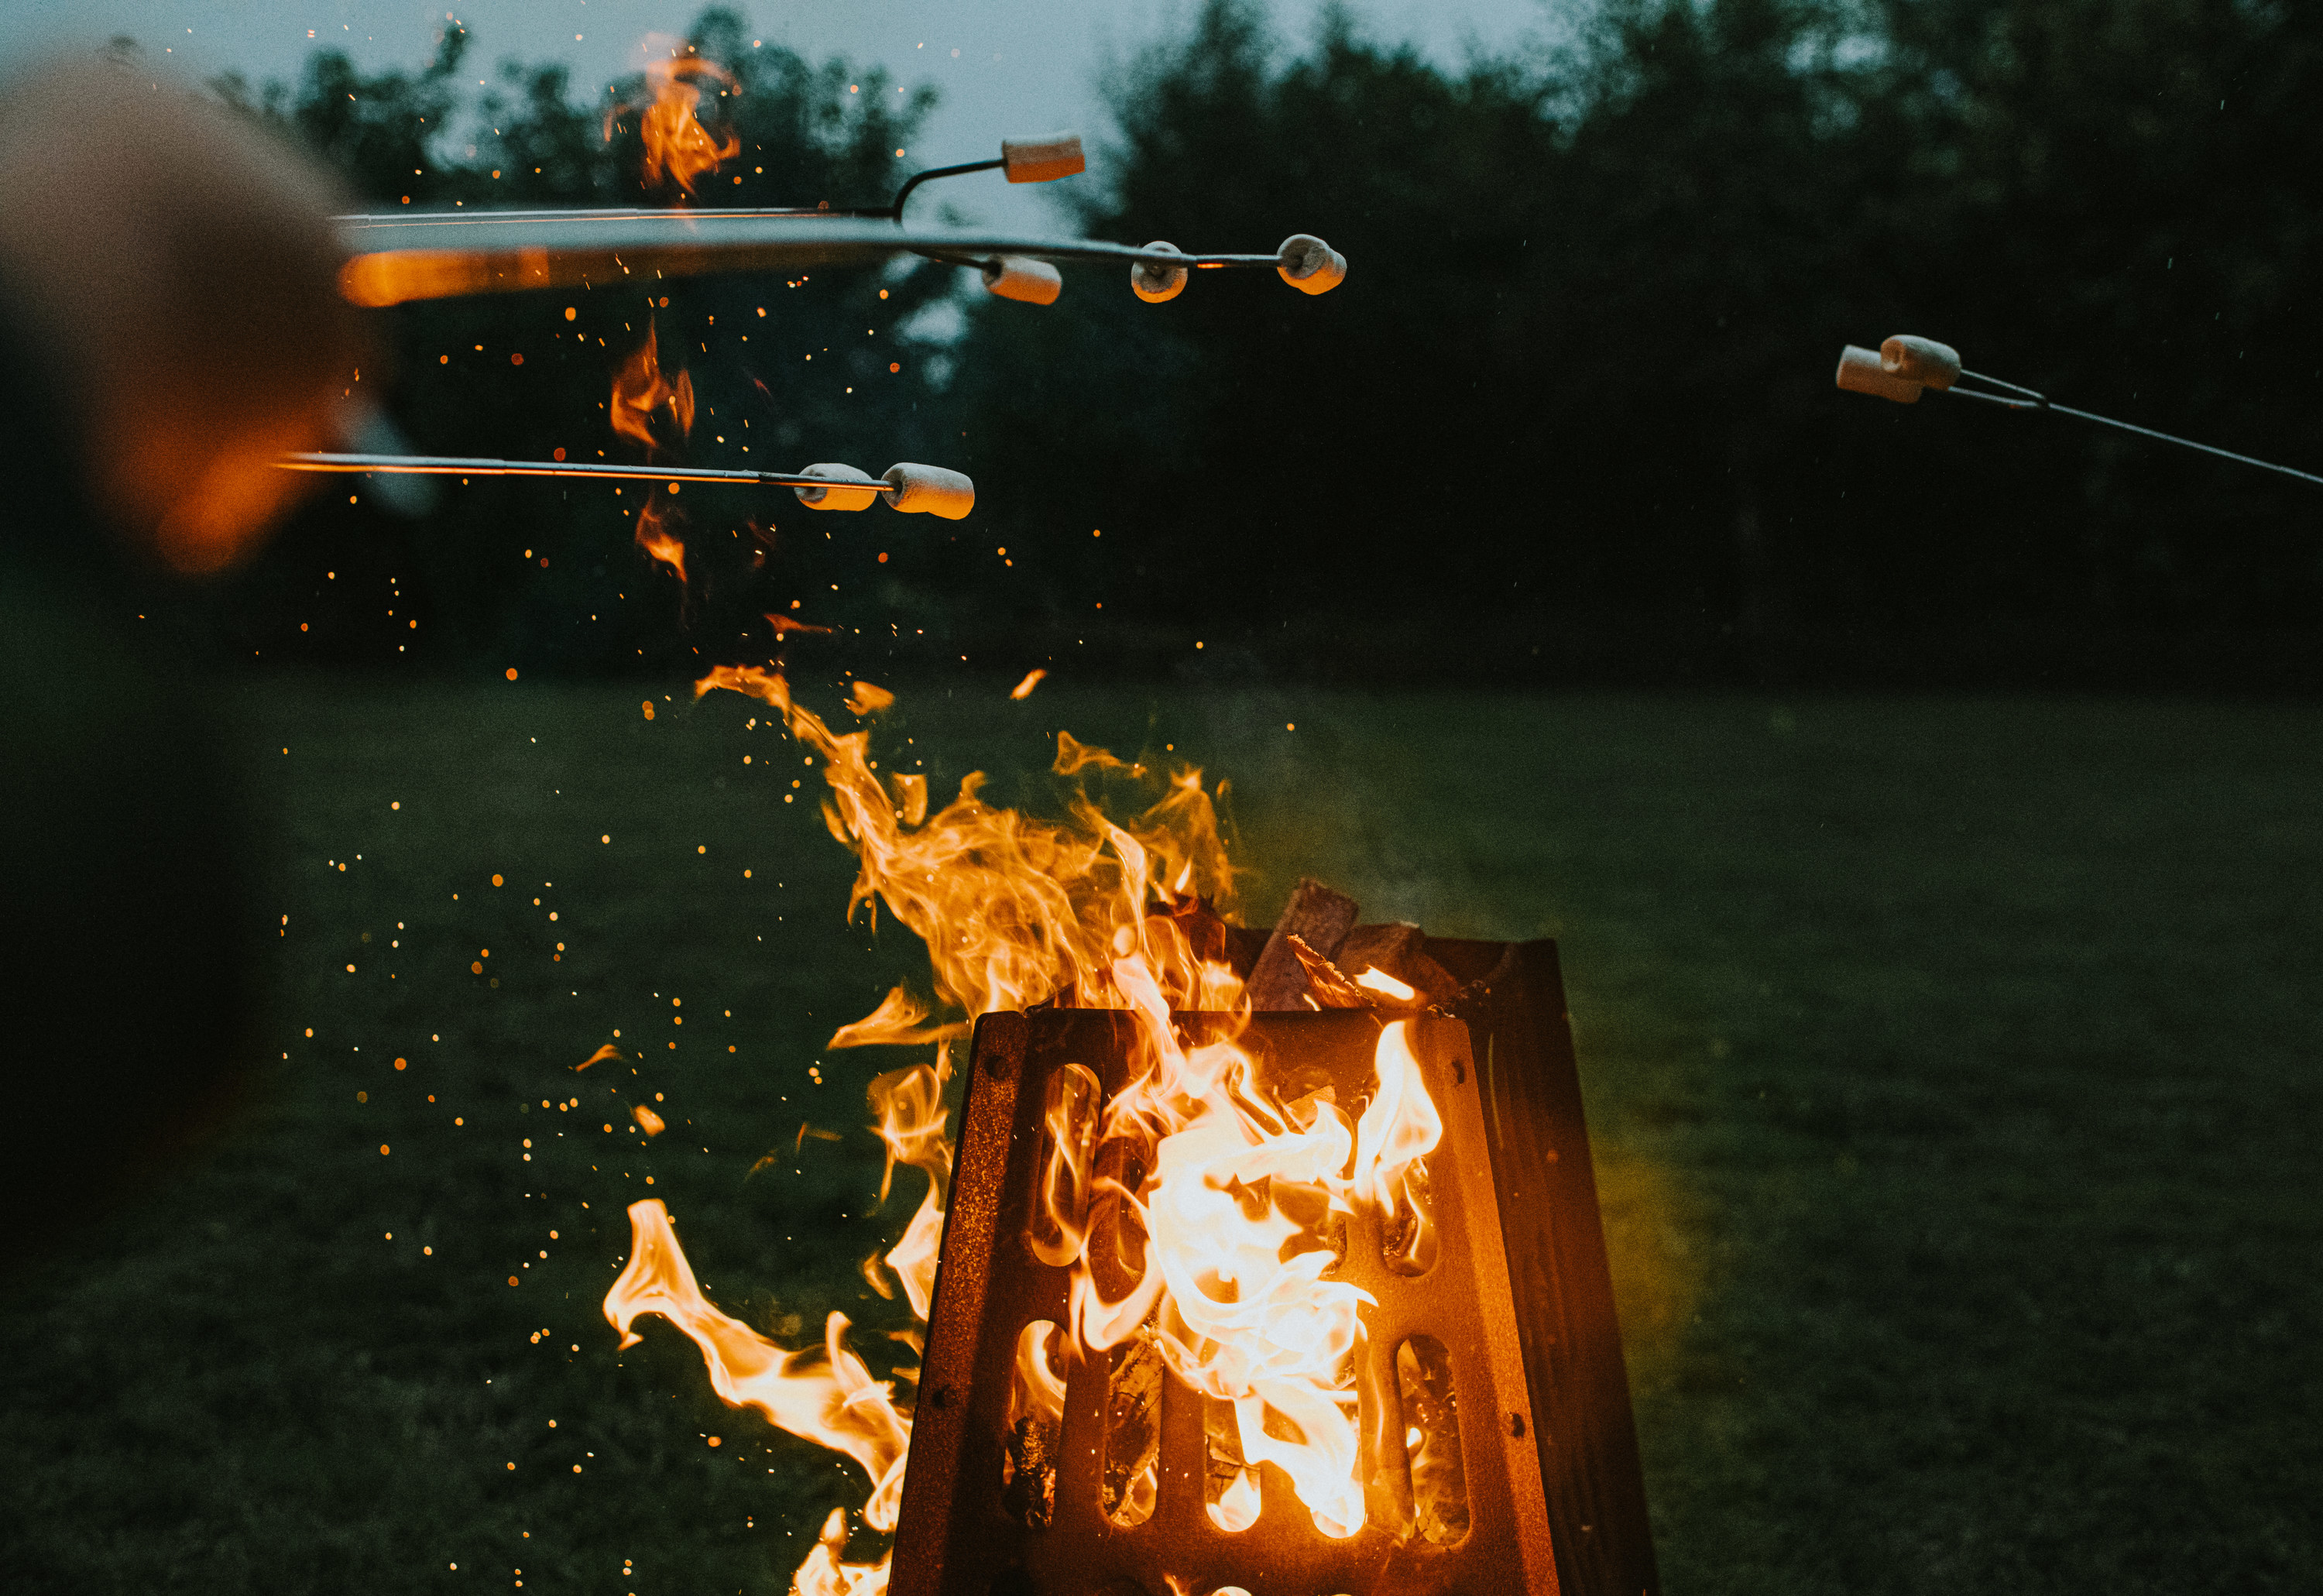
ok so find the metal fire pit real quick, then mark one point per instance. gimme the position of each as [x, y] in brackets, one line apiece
[1518, 1297]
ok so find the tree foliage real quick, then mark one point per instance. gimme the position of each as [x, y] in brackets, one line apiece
[1570, 416]
[1572, 412]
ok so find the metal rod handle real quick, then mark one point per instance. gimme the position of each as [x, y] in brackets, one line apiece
[453, 465]
[2035, 401]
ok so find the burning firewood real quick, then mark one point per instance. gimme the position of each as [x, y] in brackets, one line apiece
[1327, 986]
[1316, 916]
[1318, 958]
[1395, 949]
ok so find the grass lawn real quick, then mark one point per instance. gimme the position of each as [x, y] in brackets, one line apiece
[1952, 1065]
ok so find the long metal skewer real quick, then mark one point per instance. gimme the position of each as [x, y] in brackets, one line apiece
[397, 258]
[641, 228]
[453, 465]
[2033, 400]
[1907, 365]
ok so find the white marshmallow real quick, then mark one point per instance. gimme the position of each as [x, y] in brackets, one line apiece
[1920, 359]
[1309, 265]
[913, 489]
[1041, 159]
[1154, 282]
[1859, 372]
[838, 498]
[1015, 277]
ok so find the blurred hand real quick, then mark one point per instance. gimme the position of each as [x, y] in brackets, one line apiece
[177, 267]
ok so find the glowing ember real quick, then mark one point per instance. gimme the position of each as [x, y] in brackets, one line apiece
[1386, 986]
[1223, 1210]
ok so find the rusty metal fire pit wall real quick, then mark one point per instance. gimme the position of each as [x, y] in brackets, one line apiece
[958, 1537]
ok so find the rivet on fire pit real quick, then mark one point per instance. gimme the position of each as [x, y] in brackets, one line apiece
[1001, 1044]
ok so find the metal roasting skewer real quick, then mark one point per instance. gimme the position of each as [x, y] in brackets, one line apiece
[514, 230]
[456, 465]
[911, 488]
[1904, 367]
[396, 257]
[394, 260]
[2039, 402]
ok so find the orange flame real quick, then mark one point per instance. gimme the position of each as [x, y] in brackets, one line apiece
[640, 391]
[1220, 1253]
[1016, 911]
[826, 1571]
[899, 1021]
[656, 537]
[676, 144]
[910, 1105]
[825, 1394]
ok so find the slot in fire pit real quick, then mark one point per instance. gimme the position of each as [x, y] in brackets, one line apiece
[1497, 1449]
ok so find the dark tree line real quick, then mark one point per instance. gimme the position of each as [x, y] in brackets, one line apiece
[1571, 415]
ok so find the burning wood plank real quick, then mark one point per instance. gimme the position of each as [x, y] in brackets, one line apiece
[1320, 918]
[1398, 950]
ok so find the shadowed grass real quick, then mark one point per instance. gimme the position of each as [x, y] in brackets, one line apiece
[1952, 1066]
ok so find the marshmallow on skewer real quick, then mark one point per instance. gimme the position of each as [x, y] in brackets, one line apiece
[1154, 282]
[1920, 359]
[1309, 265]
[836, 496]
[1860, 371]
[1042, 157]
[1017, 277]
[913, 489]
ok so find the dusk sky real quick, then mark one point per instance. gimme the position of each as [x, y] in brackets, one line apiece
[1002, 66]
